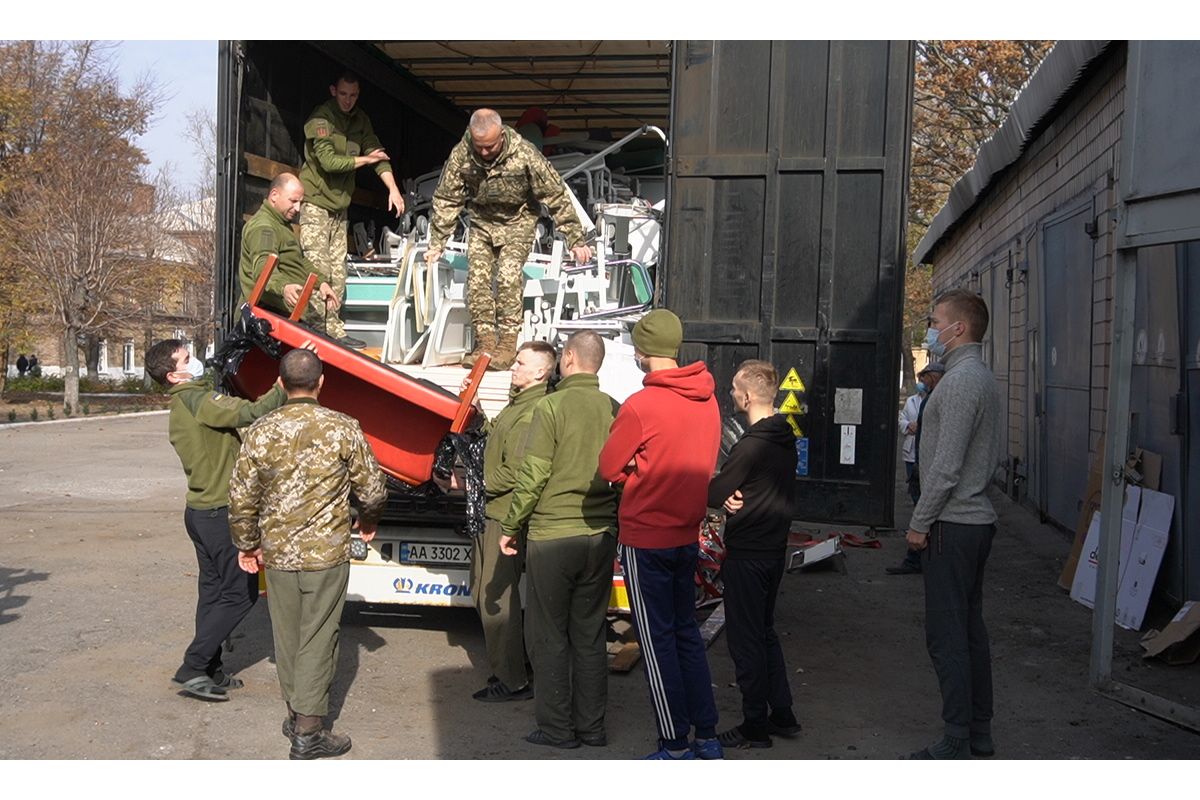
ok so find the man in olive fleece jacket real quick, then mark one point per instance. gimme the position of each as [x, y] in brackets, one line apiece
[756, 486]
[338, 140]
[203, 428]
[572, 516]
[954, 522]
[495, 575]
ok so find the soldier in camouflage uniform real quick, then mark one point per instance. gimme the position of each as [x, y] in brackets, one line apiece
[338, 139]
[502, 180]
[269, 232]
[289, 508]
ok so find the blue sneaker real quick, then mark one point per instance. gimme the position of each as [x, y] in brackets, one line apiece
[708, 749]
[663, 754]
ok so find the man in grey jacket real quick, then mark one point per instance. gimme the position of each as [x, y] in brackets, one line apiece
[954, 522]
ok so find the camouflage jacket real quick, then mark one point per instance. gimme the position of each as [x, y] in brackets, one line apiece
[506, 192]
[267, 232]
[290, 489]
[332, 140]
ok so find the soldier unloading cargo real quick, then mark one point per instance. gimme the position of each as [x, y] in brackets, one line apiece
[501, 179]
[269, 232]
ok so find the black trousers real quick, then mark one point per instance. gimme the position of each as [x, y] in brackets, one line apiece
[955, 635]
[751, 586]
[225, 593]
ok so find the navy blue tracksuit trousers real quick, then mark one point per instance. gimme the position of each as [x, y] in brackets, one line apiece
[662, 593]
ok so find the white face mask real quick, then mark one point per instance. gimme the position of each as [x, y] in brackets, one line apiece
[195, 368]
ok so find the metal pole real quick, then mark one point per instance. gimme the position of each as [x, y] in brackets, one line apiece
[1116, 451]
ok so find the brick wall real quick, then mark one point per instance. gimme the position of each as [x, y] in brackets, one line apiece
[1072, 161]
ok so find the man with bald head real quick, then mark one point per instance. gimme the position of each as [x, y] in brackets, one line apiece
[502, 180]
[269, 232]
[571, 514]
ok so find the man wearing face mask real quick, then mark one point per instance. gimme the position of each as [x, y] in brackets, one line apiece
[203, 428]
[502, 180]
[910, 423]
[954, 522]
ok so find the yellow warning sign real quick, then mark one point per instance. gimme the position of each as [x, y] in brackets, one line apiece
[791, 405]
[795, 425]
[792, 382]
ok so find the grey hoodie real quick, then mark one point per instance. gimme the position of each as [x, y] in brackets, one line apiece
[960, 443]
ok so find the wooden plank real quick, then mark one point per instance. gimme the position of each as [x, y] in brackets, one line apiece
[713, 626]
[626, 657]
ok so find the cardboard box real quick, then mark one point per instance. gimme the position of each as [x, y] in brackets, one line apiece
[1179, 642]
[1083, 586]
[1145, 527]
[1139, 568]
[1145, 463]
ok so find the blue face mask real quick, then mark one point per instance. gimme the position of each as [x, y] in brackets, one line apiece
[921, 387]
[934, 344]
[195, 367]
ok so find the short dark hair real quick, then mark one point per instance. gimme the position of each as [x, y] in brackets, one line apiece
[544, 349]
[968, 307]
[345, 76]
[300, 371]
[588, 348]
[160, 359]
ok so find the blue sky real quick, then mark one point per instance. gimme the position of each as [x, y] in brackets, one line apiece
[187, 72]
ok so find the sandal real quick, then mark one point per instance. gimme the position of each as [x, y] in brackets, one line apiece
[202, 687]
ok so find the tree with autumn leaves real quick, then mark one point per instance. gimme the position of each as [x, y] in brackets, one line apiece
[962, 93]
[83, 249]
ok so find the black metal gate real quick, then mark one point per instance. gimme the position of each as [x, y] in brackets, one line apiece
[787, 183]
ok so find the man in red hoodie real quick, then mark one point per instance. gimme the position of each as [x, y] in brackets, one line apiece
[663, 449]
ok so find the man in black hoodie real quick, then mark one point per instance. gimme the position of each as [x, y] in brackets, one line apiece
[756, 488]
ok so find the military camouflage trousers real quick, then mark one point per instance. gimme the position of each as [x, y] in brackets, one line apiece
[323, 239]
[497, 255]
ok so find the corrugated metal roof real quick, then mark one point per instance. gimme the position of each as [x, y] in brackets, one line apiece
[1047, 88]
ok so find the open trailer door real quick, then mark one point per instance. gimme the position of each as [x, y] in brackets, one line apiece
[788, 174]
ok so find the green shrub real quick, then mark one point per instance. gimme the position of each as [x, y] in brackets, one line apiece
[66, 409]
[49, 412]
[12, 415]
[33, 415]
[34, 384]
[87, 409]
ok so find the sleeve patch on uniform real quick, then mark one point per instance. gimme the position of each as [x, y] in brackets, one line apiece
[321, 126]
[266, 239]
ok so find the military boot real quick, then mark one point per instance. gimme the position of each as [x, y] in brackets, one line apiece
[506, 351]
[485, 342]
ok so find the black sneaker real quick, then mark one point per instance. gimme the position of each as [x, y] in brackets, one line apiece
[351, 342]
[321, 744]
[541, 737]
[499, 693]
[736, 739]
[776, 729]
[594, 739]
[904, 569]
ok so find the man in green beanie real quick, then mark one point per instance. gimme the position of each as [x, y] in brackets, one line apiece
[663, 450]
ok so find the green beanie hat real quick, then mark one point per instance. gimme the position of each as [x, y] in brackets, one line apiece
[659, 333]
